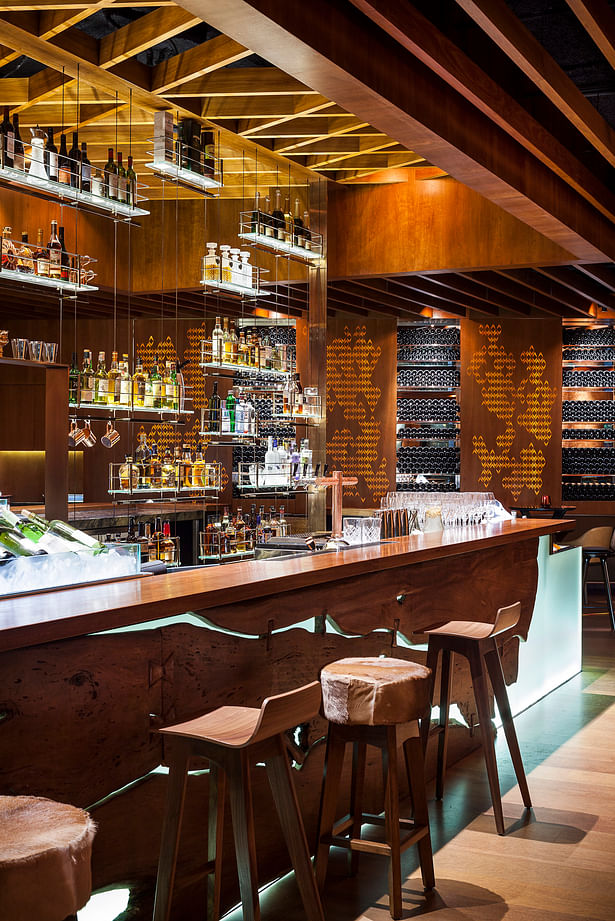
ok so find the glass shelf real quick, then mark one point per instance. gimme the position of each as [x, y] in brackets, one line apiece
[162, 490]
[120, 407]
[419, 389]
[185, 177]
[63, 193]
[230, 287]
[230, 366]
[585, 476]
[43, 281]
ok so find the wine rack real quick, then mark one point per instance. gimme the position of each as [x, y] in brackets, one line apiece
[588, 413]
[428, 379]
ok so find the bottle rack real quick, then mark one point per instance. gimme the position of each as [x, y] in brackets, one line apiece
[172, 160]
[130, 480]
[52, 190]
[588, 390]
[219, 282]
[208, 360]
[427, 433]
[165, 549]
[214, 546]
[287, 478]
[24, 269]
[260, 230]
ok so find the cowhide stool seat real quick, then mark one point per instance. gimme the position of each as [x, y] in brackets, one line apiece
[45, 859]
[377, 702]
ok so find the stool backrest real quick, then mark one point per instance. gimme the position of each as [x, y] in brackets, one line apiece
[595, 537]
[284, 711]
[506, 618]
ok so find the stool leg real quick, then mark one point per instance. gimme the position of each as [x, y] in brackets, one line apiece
[494, 665]
[285, 799]
[391, 821]
[416, 780]
[217, 791]
[607, 588]
[171, 827]
[445, 699]
[479, 683]
[432, 664]
[356, 799]
[334, 761]
[240, 798]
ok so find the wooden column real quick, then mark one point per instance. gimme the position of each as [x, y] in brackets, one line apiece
[317, 346]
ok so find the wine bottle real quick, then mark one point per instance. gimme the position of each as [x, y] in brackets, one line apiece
[19, 160]
[111, 177]
[208, 146]
[86, 169]
[298, 235]
[74, 156]
[8, 139]
[41, 255]
[73, 382]
[278, 216]
[51, 156]
[64, 260]
[64, 171]
[214, 410]
[122, 183]
[131, 179]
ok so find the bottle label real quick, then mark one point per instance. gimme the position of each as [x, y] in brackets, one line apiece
[42, 266]
[148, 397]
[156, 390]
[226, 420]
[102, 388]
[10, 144]
[122, 189]
[86, 173]
[20, 161]
[87, 388]
[112, 185]
[55, 262]
[125, 391]
[64, 175]
[53, 164]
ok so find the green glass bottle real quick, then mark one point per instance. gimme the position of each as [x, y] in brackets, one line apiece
[230, 405]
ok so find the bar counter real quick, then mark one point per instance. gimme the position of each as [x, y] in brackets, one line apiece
[87, 674]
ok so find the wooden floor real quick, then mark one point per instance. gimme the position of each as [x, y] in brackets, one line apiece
[556, 863]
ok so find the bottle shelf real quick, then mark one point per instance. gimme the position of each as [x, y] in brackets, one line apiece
[188, 178]
[419, 389]
[584, 388]
[43, 281]
[425, 422]
[270, 244]
[593, 363]
[227, 557]
[230, 366]
[400, 476]
[120, 407]
[163, 491]
[585, 476]
[586, 422]
[57, 191]
[229, 439]
[427, 363]
[229, 287]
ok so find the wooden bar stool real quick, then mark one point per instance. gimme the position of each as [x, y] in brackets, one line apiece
[45, 859]
[373, 701]
[231, 738]
[477, 642]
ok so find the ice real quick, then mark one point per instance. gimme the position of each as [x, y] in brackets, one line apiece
[33, 573]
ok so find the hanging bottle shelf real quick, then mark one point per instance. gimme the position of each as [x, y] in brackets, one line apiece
[185, 154]
[45, 267]
[264, 232]
[171, 479]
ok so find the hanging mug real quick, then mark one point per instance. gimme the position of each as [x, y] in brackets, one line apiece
[89, 438]
[75, 435]
[111, 436]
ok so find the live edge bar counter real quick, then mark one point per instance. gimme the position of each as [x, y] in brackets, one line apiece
[87, 673]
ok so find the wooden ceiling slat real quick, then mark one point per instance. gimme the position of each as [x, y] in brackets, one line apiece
[536, 282]
[242, 81]
[425, 286]
[605, 274]
[304, 107]
[580, 284]
[598, 20]
[196, 62]
[509, 287]
[144, 33]
[510, 35]
[479, 292]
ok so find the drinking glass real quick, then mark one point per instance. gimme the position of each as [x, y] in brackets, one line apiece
[370, 530]
[50, 351]
[351, 530]
[20, 347]
[35, 347]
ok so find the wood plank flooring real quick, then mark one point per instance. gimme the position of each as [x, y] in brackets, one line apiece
[556, 863]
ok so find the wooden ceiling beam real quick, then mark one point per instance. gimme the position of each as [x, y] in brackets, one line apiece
[605, 274]
[138, 36]
[421, 38]
[270, 109]
[366, 146]
[598, 20]
[305, 106]
[579, 283]
[362, 291]
[469, 287]
[212, 55]
[536, 282]
[393, 91]
[498, 21]
[425, 287]
[242, 81]
[504, 285]
[302, 127]
[369, 163]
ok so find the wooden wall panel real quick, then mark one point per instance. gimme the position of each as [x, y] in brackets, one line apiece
[361, 401]
[511, 402]
[426, 226]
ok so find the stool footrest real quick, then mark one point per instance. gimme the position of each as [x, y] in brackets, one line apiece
[375, 847]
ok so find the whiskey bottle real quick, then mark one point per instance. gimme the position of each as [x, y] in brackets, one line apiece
[138, 385]
[169, 388]
[168, 471]
[19, 160]
[55, 252]
[122, 182]
[197, 480]
[185, 479]
[87, 379]
[111, 177]
[73, 382]
[156, 383]
[86, 169]
[227, 343]
[278, 217]
[217, 342]
[64, 171]
[124, 381]
[142, 459]
[211, 268]
[234, 345]
[25, 262]
[148, 395]
[74, 156]
[9, 253]
[155, 468]
[41, 256]
[129, 475]
[7, 136]
[298, 235]
[209, 153]
[51, 156]
[101, 381]
[168, 544]
[113, 378]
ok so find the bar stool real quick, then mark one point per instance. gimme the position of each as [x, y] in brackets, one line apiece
[230, 738]
[596, 547]
[45, 859]
[477, 642]
[373, 701]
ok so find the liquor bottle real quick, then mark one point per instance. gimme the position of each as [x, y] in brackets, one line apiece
[155, 467]
[64, 271]
[128, 475]
[186, 467]
[168, 470]
[41, 255]
[255, 351]
[298, 235]
[51, 156]
[113, 381]
[226, 273]
[86, 379]
[214, 410]
[265, 352]
[197, 478]
[249, 417]
[64, 171]
[234, 345]
[156, 382]
[74, 156]
[307, 236]
[19, 160]
[55, 252]
[101, 381]
[25, 261]
[36, 532]
[86, 169]
[243, 351]
[230, 537]
[227, 344]
[282, 523]
[268, 218]
[138, 385]
[148, 394]
[240, 530]
[7, 135]
[110, 173]
[122, 182]
[256, 217]
[168, 544]
[288, 221]
[209, 153]
[66, 531]
[211, 265]
[15, 542]
[246, 269]
[142, 459]
[217, 341]
[131, 180]
[278, 217]
[124, 383]
[169, 388]
[73, 382]
[298, 396]
[9, 252]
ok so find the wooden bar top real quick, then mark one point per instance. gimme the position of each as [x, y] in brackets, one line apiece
[49, 616]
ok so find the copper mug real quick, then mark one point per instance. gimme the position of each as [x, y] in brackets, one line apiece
[89, 438]
[545, 501]
[111, 436]
[75, 435]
